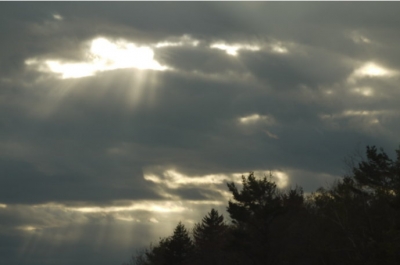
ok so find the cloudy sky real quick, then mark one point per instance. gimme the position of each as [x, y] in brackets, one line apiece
[118, 120]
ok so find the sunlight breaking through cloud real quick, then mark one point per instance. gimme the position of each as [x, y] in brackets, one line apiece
[174, 179]
[125, 217]
[27, 228]
[253, 118]
[371, 70]
[103, 55]
[279, 48]
[232, 49]
[57, 17]
[168, 180]
[353, 113]
[185, 40]
[162, 206]
[280, 178]
[153, 220]
[364, 91]
[368, 121]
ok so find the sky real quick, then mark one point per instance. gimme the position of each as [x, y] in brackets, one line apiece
[118, 120]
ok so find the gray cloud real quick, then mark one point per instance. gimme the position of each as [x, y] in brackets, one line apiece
[76, 153]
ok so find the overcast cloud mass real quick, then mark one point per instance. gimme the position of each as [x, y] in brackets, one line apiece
[118, 120]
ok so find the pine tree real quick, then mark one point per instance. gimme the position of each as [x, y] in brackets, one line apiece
[209, 237]
[252, 211]
[380, 176]
[257, 202]
[179, 247]
[208, 232]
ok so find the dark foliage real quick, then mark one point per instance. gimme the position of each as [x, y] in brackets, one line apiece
[356, 221]
[210, 237]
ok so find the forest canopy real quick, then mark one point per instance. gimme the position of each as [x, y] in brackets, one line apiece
[355, 221]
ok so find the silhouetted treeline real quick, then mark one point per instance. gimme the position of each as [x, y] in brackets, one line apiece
[356, 221]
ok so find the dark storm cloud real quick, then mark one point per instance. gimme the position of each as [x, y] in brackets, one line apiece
[200, 58]
[76, 155]
[312, 68]
[22, 183]
[193, 125]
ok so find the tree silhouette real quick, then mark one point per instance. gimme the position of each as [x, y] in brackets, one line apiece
[179, 246]
[252, 211]
[173, 250]
[380, 176]
[208, 232]
[209, 237]
[361, 214]
[355, 221]
[257, 201]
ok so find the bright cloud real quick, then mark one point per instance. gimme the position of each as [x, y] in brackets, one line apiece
[162, 206]
[174, 179]
[185, 40]
[153, 220]
[280, 178]
[365, 120]
[360, 113]
[103, 55]
[364, 91]
[57, 17]
[232, 49]
[371, 69]
[253, 118]
[27, 228]
[352, 113]
[279, 47]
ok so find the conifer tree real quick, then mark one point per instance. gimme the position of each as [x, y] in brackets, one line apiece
[179, 247]
[208, 232]
[252, 211]
[379, 175]
[209, 237]
[257, 202]
[355, 221]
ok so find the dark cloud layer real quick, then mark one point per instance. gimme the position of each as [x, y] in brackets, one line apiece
[94, 166]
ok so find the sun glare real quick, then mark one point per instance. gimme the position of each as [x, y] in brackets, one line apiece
[371, 70]
[122, 54]
[103, 55]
